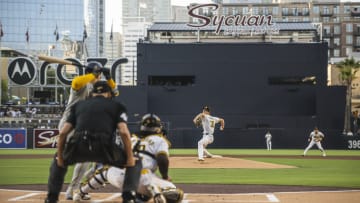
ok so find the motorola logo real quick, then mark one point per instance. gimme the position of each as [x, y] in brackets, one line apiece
[22, 71]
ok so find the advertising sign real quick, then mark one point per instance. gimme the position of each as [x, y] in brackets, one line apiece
[12, 138]
[45, 138]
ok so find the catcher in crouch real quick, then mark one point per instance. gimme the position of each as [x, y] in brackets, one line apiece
[153, 148]
[315, 138]
[208, 124]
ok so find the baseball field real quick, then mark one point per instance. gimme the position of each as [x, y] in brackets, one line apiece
[240, 175]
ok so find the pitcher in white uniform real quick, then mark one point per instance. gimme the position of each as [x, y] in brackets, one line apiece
[153, 148]
[208, 123]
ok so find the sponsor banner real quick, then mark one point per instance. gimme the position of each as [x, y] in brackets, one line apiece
[45, 138]
[12, 138]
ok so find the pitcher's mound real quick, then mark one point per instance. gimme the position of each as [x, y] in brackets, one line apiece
[221, 162]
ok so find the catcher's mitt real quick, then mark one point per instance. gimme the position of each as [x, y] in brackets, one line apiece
[198, 122]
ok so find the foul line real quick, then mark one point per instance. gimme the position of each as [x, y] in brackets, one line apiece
[116, 195]
[23, 197]
[272, 198]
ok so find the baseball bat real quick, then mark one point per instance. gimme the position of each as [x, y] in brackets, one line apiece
[51, 59]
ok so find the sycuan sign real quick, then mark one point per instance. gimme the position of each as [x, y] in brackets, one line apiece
[241, 24]
[22, 70]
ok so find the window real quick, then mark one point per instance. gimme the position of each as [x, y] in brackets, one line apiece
[316, 20]
[348, 51]
[337, 41]
[349, 39]
[326, 19]
[336, 52]
[292, 80]
[336, 29]
[285, 11]
[336, 10]
[171, 80]
[275, 10]
[316, 9]
[336, 20]
[349, 27]
[346, 9]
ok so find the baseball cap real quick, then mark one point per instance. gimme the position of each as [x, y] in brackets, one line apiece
[101, 87]
[206, 108]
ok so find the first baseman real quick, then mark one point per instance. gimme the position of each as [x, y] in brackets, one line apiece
[208, 124]
[315, 138]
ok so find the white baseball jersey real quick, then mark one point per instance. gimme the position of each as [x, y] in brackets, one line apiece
[316, 136]
[208, 123]
[151, 146]
[268, 137]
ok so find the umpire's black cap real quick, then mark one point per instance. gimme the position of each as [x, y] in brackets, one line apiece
[101, 87]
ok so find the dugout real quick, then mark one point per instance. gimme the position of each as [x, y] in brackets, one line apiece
[253, 86]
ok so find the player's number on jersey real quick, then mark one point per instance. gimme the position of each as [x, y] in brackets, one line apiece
[354, 144]
[212, 124]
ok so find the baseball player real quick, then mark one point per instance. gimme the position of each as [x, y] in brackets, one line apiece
[208, 124]
[315, 138]
[268, 140]
[81, 87]
[153, 148]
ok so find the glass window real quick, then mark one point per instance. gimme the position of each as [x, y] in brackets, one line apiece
[316, 20]
[349, 39]
[337, 29]
[346, 9]
[337, 41]
[357, 41]
[336, 52]
[348, 51]
[336, 9]
[336, 20]
[326, 19]
[285, 11]
[275, 10]
[245, 10]
[349, 27]
[316, 9]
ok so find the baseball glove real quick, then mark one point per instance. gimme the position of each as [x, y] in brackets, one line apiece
[198, 122]
[318, 138]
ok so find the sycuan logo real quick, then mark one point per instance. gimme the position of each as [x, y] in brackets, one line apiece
[230, 24]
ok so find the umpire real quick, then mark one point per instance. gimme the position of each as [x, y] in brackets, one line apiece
[95, 121]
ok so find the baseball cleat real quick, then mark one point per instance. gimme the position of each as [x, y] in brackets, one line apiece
[324, 155]
[201, 160]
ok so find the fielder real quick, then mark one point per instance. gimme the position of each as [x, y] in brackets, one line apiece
[315, 138]
[208, 124]
[268, 140]
[153, 148]
[81, 87]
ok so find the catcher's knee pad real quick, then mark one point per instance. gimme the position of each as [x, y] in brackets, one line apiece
[173, 195]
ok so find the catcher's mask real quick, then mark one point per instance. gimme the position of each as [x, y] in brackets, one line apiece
[150, 123]
[93, 65]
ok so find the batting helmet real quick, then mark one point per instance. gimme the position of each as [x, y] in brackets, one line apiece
[93, 67]
[150, 123]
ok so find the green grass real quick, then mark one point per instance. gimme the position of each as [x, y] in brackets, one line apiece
[309, 172]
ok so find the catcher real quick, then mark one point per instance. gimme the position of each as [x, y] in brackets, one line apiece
[153, 148]
[315, 138]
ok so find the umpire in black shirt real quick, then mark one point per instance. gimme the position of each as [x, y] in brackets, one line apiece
[95, 121]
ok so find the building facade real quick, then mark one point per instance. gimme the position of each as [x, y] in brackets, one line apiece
[340, 20]
[137, 15]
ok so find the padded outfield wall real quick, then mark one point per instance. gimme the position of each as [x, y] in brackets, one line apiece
[253, 86]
